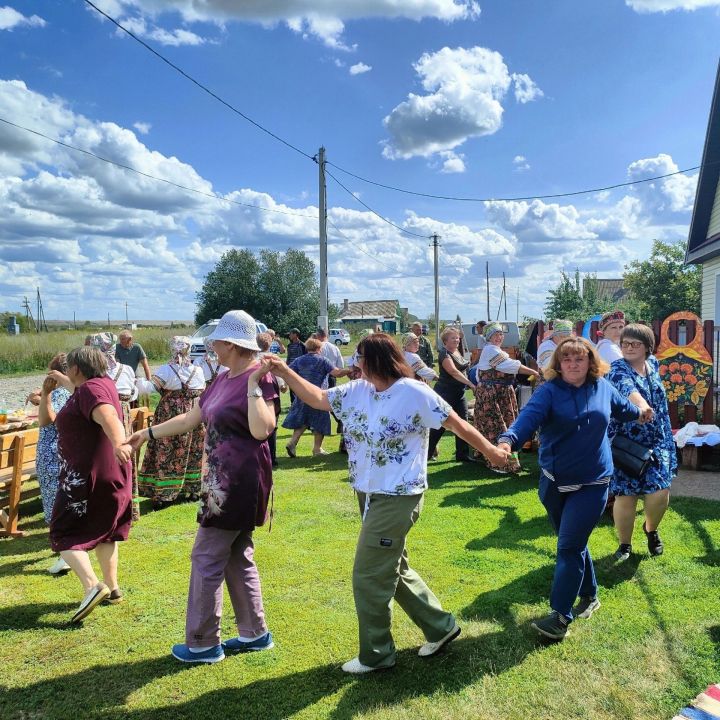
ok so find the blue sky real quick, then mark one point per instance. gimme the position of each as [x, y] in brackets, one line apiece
[488, 99]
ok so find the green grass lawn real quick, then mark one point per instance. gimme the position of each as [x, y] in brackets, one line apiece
[484, 546]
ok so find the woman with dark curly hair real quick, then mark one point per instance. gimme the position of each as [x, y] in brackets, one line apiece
[636, 377]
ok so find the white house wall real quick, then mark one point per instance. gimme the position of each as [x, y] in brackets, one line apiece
[714, 227]
[710, 299]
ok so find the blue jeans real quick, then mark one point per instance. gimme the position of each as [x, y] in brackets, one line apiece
[573, 516]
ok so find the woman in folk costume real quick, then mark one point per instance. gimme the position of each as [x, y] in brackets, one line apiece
[611, 326]
[496, 406]
[171, 467]
[561, 329]
[210, 366]
[124, 378]
[411, 345]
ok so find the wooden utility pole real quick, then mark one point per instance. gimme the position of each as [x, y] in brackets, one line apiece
[322, 207]
[487, 287]
[435, 237]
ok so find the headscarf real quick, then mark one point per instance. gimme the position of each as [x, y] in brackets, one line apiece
[611, 317]
[562, 327]
[105, 342]
[180, 350]
[407, 338]
[492, 329]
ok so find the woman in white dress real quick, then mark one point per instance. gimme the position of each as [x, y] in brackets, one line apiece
[611, 326]
[411, 345]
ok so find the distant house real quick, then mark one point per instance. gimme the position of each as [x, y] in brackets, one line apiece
[704, 239]
[372, 314]
[608, 289]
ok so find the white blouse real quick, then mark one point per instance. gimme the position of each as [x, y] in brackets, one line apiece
[169, 377]
[544, 353]
[495, 358]
[124, 379]
[609, 351]
[419, 367]
[386, 433]
[203, 364]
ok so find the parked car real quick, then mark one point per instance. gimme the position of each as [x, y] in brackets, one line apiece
[339, 336]
[197, 348]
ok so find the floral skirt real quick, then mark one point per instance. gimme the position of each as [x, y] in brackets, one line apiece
[495, 410]
[171, 466]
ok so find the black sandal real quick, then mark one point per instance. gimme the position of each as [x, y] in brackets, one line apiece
[655, 544]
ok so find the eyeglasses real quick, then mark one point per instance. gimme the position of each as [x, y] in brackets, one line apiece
[359, 356]
[635, 344]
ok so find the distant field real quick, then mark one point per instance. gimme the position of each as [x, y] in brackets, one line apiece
[31, 352]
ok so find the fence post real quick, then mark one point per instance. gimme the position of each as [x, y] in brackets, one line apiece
[709, 402]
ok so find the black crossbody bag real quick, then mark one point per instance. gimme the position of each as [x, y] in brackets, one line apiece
[630, 456]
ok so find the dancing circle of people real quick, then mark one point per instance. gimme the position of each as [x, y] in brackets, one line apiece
[213, 440]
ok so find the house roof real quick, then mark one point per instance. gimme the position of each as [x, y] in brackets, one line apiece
[700, 246]
[370, 309]
[608, 288]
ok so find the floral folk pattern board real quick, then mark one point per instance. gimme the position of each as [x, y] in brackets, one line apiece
[686, 371]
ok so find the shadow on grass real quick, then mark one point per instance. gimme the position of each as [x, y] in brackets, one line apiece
[281, 697]
[696, 512]
[28, 617]
[483, 489]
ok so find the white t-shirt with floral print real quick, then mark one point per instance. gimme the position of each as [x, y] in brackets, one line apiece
[386, 433]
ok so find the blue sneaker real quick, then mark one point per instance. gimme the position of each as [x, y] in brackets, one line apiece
[264, 642]
[183, 654]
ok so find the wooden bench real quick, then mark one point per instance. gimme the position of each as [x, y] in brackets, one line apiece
[17, 467]
[17, 470]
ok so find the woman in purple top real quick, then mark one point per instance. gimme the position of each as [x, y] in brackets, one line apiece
[236, 483]
[93, 505]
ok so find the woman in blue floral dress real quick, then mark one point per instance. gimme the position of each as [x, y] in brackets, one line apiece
[47, 462]
[636, 377]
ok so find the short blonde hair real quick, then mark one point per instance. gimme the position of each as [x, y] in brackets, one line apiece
[264, 341]
[447, 332]
[576, 346]
[313, 344]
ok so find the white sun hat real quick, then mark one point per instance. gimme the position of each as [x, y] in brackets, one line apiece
[236, 327]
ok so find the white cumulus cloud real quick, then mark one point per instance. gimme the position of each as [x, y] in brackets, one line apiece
[464, 90]
[650, 6]
[360, 68]
[11, 18]
[142, 127]
[520, 163]
[525, 88]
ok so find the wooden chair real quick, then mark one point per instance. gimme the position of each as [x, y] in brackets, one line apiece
[17, 469]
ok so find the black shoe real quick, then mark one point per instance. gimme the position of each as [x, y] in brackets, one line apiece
[275, 464]
[623, 552]
[465, 458]
[655, 544]
[553, 626]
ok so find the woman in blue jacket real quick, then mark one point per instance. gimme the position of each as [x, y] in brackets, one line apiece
[572, 411]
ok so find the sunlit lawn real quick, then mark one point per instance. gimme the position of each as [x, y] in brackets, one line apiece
[483, 544]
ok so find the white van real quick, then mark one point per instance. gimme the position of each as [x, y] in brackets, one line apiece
[197, 348]
[511, 339]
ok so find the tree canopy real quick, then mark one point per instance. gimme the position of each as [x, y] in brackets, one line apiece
[279, 289]
[663, 284]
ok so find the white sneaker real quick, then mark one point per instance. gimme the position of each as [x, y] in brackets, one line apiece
[355, 667]
[93, 598]
[59, 568]
[431, 648]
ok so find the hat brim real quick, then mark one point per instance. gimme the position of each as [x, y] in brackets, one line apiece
[247, 344]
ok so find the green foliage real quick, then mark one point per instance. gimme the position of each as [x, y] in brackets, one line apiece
[663, 284]
[278, 289]
[485, 547]
[21, 320]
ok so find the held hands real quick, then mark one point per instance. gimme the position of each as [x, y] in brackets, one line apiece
[137, 440]
[123, 453]
[60, 379]
[499, 455]
[49, 384]
[270, 363]
[647, 415]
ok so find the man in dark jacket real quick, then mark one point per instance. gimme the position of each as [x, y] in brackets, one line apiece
[425, 349]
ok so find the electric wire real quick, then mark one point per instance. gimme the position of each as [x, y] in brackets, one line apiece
[520, 198]
[214, 196]
[198, 83]
[374, 212]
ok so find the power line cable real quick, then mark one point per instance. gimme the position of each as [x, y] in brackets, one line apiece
[198, 83]
[374, 212]
[518, 199]
[214, 196]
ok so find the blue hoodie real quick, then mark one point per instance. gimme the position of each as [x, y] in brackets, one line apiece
[573, 422]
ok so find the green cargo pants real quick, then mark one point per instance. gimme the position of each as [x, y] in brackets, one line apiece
[381, 573]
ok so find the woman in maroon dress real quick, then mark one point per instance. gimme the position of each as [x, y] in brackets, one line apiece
[93, 506]
[236, 483]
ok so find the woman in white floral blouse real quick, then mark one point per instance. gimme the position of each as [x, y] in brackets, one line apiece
[386, 418]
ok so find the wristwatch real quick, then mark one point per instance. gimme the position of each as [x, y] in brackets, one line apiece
[255, 392]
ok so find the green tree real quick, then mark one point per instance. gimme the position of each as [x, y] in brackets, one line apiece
[663, 284]
[565, 301]
[279, 289]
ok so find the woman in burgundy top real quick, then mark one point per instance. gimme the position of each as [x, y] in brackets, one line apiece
[93, 506]
[236, 483]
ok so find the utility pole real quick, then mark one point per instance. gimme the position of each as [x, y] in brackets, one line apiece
[517, 307]
[435, 239]
[126, 315]
[487, 287]
[322, 207]
[505, 296]
[74, 323]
